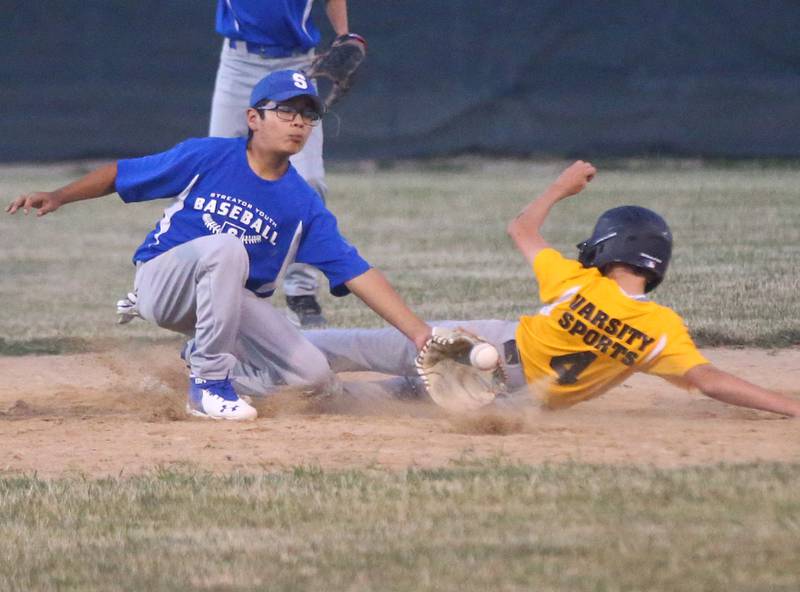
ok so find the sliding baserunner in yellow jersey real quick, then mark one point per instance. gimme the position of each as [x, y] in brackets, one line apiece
[597, 325]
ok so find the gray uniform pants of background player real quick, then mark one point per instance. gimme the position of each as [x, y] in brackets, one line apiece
[238, 73]
[197, 289]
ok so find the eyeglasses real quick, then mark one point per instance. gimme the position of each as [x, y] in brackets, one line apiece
[286, 112]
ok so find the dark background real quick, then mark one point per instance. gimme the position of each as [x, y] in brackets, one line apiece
[98, 79]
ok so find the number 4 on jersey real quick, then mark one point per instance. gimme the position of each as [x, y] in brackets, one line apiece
[569, 366]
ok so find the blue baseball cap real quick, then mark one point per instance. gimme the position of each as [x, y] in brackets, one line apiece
[283, 85]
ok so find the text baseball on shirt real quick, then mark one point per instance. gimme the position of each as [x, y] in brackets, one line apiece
[239, 217]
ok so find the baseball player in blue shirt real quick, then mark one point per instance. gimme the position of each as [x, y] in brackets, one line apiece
[240, 214]
[260, 37]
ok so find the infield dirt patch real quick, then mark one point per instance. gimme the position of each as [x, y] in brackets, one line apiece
[121, 412]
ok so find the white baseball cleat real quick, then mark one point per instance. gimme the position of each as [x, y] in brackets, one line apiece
[217, 399]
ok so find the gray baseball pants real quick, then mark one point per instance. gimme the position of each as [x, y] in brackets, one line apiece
[388, 351]
[197, 289]
[238, 73]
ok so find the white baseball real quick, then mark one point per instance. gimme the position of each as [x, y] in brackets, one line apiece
[484, 356]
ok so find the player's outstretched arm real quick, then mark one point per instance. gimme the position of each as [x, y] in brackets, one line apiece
[377, 293]
[730, 389]
[97, 183]
[525, 229]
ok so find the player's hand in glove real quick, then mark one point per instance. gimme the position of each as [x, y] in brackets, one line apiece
[338, 64]
[451, 379]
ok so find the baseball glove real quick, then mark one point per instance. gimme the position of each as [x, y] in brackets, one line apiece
[450, 379]
[338, 64]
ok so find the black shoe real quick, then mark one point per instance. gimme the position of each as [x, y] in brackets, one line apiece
[305, 311]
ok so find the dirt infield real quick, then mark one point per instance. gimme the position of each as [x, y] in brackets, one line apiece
[121, 412]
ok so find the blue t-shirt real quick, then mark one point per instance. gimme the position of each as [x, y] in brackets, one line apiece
[215, 191]
[284, 24]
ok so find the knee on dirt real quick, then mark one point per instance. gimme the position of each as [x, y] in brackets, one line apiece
[311, 368]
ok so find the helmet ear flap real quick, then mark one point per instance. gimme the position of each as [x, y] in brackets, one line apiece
[585, 254]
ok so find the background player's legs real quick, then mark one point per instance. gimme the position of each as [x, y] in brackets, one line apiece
[196, 289]
[300, 284]
[237, 74]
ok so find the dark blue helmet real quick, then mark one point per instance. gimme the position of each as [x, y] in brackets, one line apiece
[632, 235]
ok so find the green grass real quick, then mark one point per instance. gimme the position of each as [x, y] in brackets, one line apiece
[474, 527]
[438, 232]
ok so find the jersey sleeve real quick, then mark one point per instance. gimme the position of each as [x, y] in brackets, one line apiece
[555, 273]
[679, 354]
[325, 248]
[161, 175]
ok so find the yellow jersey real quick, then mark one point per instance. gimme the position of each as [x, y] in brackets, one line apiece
[591, 335]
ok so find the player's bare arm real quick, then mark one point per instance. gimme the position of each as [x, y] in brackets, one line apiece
[377, 293]
[525, 229]
[337, 15]
[725, 387]
[97, 183]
